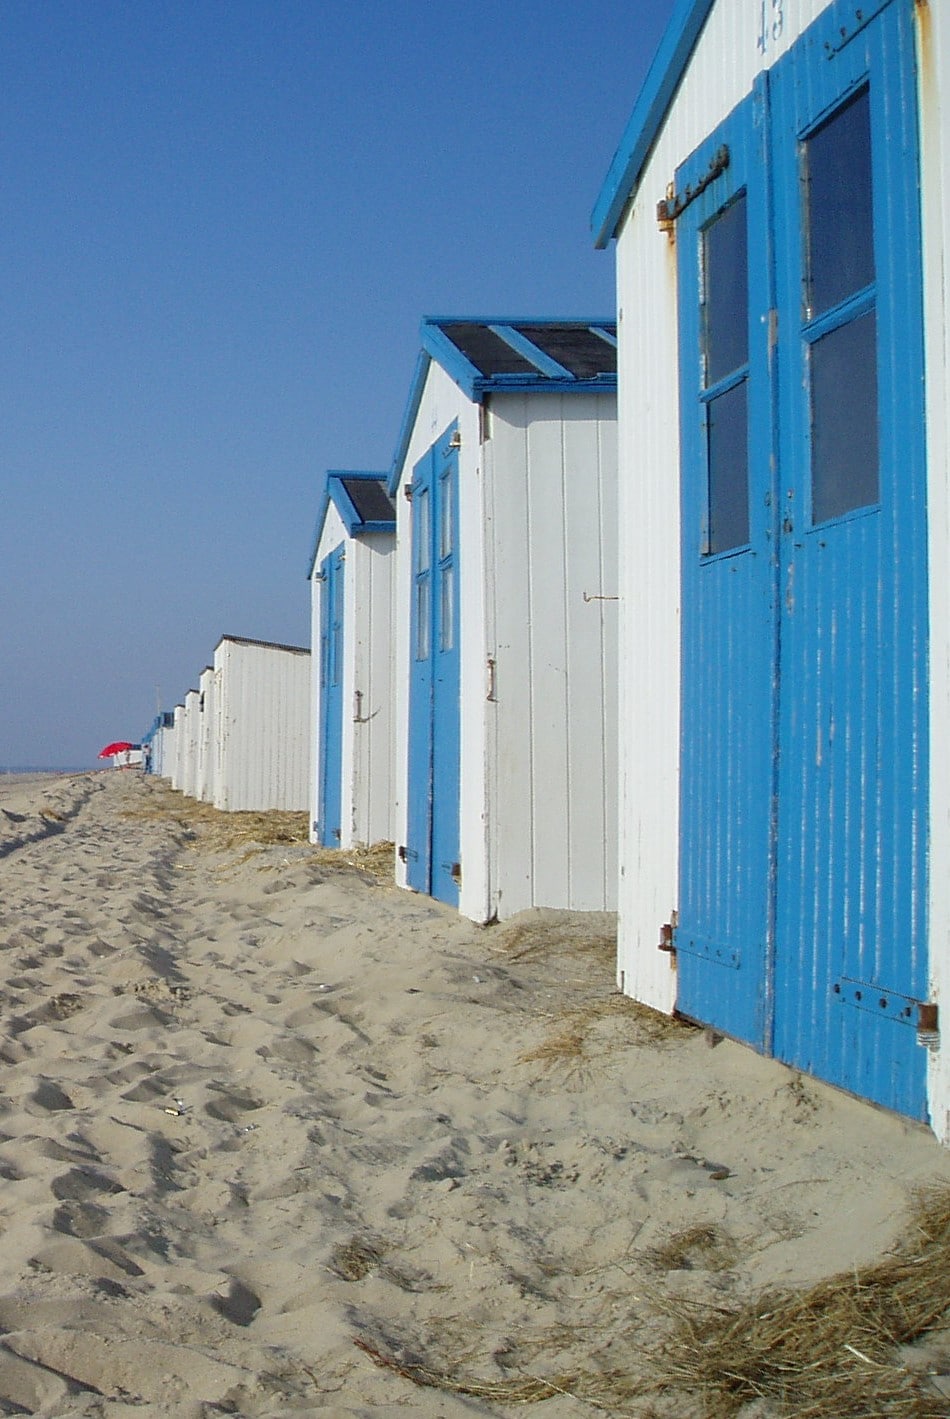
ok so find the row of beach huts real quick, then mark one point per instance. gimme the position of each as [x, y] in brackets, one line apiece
[675, 642]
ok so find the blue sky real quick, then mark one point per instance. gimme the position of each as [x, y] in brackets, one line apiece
[222, 223]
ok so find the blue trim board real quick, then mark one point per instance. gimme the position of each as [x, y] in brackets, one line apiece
[656, 95]
[335, 493]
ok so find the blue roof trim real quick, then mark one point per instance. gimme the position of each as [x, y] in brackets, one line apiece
[649, 111]
[550, 377]
[336, 493]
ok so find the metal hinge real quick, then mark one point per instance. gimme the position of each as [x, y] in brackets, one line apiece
[673, 204]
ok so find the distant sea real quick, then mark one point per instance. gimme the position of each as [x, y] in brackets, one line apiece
[32, 769]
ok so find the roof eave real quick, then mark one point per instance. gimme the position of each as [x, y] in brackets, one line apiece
[649, 111]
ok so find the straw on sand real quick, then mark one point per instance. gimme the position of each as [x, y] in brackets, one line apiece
[828, 1352]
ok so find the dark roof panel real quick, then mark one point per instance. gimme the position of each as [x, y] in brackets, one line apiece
[485, 350]
[369, 497]
[581, 351]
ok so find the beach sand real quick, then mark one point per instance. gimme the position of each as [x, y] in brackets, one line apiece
[279, 1138]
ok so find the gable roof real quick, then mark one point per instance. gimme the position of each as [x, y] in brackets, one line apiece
[649, 111]
[490, 355]
[361, 500]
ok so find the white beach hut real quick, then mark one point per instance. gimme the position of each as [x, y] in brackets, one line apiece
[261, 725]
[192, 739]
[204, 775]
[176, 764]
[351, 577]
[505, 487]
[785, 539]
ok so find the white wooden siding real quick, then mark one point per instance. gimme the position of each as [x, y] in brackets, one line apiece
[204, 779]
[367, 749]
[263, 716]
[189, 779]
[537, 529]
[933, 32]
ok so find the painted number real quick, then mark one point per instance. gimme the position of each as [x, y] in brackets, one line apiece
[771, 23]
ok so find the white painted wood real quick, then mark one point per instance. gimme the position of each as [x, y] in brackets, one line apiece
[204, 778]
[262, 711]
[537, 517]
[189, 777]
[933, 33]
[176, 766]
[368, 656]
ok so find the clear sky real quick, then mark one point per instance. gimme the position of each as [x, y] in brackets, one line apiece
[222, 221]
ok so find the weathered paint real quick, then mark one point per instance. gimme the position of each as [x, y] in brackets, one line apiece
[719, 74]
[537, 637]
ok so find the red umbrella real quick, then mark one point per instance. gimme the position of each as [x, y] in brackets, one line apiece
[119, 747]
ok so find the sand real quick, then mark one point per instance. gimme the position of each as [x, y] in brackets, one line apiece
[273, 1131]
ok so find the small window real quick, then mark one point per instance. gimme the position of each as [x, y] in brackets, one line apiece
[421, 533]
[446, 518]
[447, 608]
[725, 350]
[839, 230]
[422, 618]
[727, 442]
[844, 451]
[725, 293]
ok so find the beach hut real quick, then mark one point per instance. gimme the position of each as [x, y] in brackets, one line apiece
[351, 578]
[177, 755]
[191, 741]
[781, 211]
[504, 480]
[261, 725]
[156, 743]
[204, 774]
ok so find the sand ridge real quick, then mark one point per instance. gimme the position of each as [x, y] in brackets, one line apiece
[265, 1122]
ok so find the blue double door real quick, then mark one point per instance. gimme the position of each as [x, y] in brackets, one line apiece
[330, 742]
[803, 876]
[432, 834]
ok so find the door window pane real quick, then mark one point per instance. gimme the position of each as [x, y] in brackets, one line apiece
[420, 509]
[725, 293]
[727, 443]
[447, 608]
[446, 520]
[422, 618]
[844, 419]
[838, 213]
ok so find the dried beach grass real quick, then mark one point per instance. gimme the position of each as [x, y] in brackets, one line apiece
[575, 1031]
[211, 829]
[705, 1246]
[828, 1352]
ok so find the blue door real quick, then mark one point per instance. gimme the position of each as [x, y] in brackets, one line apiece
[432, 845]
[331, 698]
[802, 922]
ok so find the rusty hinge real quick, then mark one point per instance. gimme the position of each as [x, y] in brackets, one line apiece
[928, 1026]
[407, 491]
[665, 942]
[673, 204]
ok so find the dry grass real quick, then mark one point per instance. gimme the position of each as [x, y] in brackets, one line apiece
[575, 1032]
[828, 1352]
[211, 829]
[704, 1246]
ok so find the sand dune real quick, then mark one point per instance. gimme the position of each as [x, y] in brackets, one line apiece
[272, 1130]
